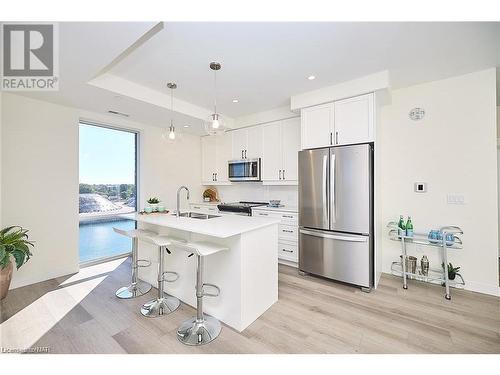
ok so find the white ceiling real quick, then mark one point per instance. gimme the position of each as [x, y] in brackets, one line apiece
[263, 64]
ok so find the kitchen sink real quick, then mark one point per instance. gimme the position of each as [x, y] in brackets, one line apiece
[198, 215]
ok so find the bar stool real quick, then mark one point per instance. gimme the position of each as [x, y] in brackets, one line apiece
[138, 287]
[201, 329]
[162, 305]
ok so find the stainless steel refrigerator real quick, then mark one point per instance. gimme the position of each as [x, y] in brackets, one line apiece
[336, 213]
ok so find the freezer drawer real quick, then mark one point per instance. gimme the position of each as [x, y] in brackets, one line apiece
[337, 256]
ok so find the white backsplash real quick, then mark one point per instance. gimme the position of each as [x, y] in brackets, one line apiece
[256, 192]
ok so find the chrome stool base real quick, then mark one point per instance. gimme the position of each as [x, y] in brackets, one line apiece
[160, 306]
[132, 291]
[199, 332]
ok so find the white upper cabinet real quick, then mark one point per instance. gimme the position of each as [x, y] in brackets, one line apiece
[342, 122]
[354, 120]
[247, 143]
[239, 143]
[254, 142]
[208, 148]
[317, 124]
[222, 155]
[215, 152]
[281, 143]
[290, 141]
[271, 157]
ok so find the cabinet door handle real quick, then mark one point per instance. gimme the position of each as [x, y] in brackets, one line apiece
[197, 207]
[283, 174]
[288, 216]
[213, 176]
[331, 138]
[336, 138]
[245, 153]
[242, 154]
[280, 174]
[288, 251]
[287, 231]
[263, 214]
[216, 177]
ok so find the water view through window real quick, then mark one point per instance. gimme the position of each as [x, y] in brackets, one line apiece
[107, 190]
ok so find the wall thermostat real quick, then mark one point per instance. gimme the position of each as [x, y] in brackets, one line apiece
[417, 114]
[420, 187]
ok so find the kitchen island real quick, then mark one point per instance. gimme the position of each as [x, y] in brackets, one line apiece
[247, 273]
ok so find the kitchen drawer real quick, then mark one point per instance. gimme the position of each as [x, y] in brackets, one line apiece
[288, 232]
[287, 218]
[288, 251]
[291, 218]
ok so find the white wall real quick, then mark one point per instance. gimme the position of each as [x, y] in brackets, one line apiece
[40, 184]
[1, 160]
[40, 177]
[453, 149]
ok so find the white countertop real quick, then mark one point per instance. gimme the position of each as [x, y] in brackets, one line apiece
[284, 208]
[223, 226]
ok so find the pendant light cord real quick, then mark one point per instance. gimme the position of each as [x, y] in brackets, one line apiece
[215, 91]
[171, 106]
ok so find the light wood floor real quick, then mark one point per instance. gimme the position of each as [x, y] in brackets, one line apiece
[69, 315]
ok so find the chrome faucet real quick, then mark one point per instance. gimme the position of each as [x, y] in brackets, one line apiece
[178, 211]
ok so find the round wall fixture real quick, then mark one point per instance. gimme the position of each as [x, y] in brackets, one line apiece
[417, 114]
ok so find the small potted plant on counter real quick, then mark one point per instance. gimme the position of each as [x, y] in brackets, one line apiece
[13, 243]
[153, 204]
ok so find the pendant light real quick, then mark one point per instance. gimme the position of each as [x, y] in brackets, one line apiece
[171, 130]
[215, 122]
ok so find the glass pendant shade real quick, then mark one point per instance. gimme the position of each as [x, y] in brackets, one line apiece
[171, 132]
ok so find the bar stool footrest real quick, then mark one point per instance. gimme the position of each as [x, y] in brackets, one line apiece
[148, 263]
[208, 294]
[163, 278]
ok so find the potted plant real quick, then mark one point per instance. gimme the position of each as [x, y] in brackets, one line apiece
[153, 203]
[13, 243]
[452, 271]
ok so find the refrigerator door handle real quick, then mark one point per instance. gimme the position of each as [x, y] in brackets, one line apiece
[326, 213]
[333, 211]
[334, 236]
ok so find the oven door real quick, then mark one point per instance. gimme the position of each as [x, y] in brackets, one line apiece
[244, 170]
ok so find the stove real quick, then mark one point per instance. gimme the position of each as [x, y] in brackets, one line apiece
[240, 208]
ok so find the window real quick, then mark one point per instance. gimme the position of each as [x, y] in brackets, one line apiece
[108, 190]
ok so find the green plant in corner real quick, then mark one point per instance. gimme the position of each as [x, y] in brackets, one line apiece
[153, 200]
[452, 271]
[14, 242]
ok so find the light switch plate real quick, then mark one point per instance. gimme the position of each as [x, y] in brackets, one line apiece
[455, 199]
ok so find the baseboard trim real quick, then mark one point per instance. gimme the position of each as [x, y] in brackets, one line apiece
[288, 263]
[482, 288]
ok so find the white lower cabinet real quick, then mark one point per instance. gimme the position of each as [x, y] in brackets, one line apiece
[288, 233]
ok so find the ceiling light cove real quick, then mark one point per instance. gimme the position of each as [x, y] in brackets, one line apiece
[235, 100]
[186, 126]
[310, 78]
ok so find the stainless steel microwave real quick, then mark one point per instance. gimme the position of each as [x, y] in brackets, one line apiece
[244, 170]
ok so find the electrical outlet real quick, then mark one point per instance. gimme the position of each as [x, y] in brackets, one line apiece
[455, 199]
